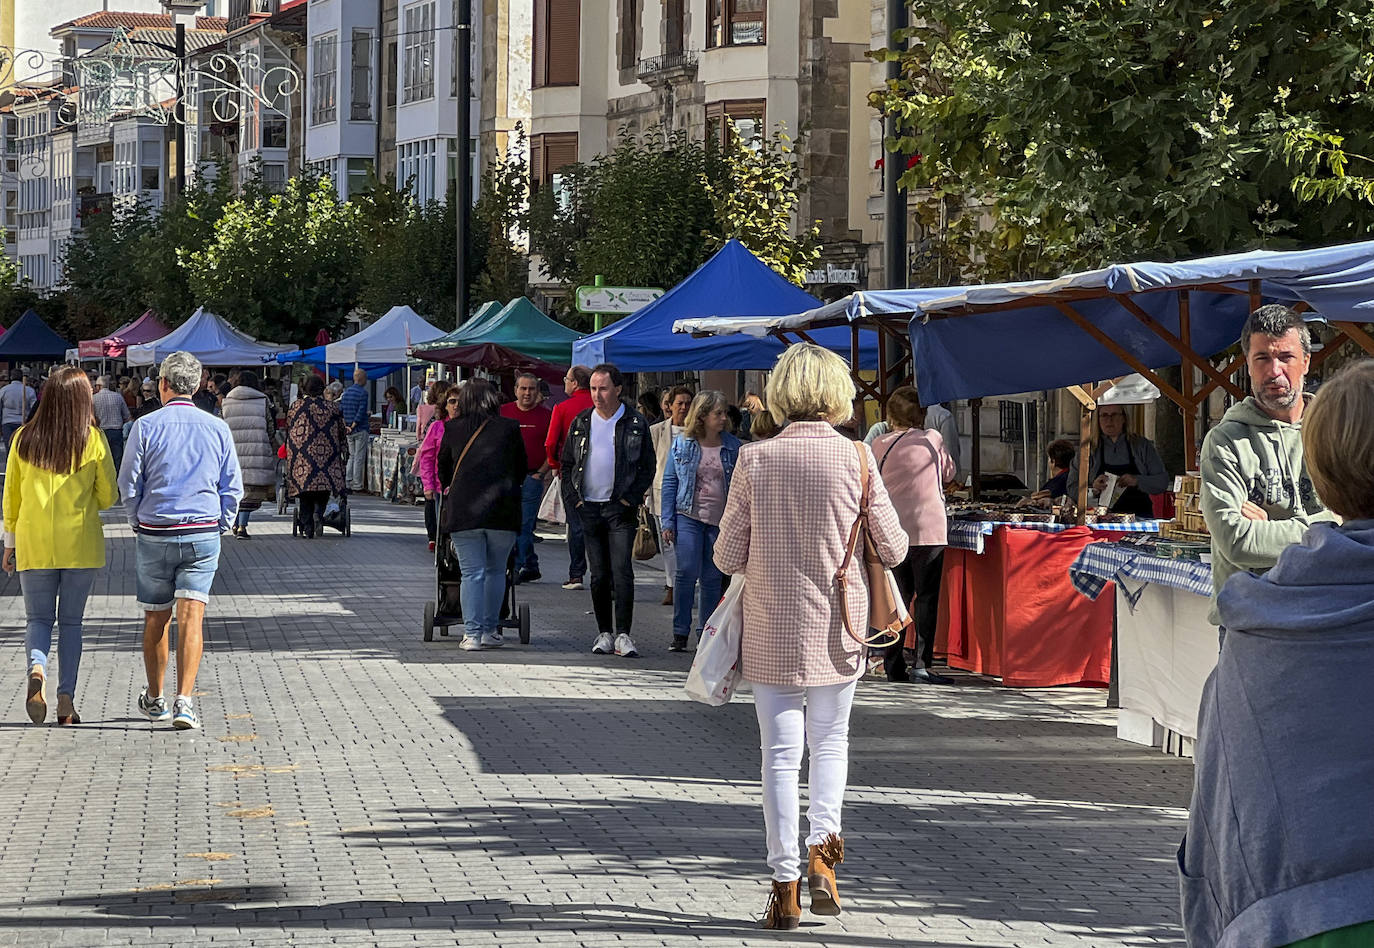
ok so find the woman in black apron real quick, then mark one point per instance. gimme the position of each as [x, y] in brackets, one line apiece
[1112, 433]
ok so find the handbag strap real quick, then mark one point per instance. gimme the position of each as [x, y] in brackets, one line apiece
[467, 447]
[842, 575]
[895, 441]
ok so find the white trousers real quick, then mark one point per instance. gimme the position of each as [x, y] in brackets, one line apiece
[669, 551]
[788, 717]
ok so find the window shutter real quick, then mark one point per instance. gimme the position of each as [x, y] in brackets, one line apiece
[560, 150]
[564, 41]
[537, 162]
[541, 46]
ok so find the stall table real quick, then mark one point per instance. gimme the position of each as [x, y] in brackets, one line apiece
[1008, 610]
[1166, 648]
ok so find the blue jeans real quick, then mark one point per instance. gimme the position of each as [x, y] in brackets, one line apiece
[241, 518]
[696, 546]
[170, 568]
[482, 556]
[577, 547]
[531, 493]
[56, 596]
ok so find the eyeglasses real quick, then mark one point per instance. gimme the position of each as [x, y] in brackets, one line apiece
[453, 401]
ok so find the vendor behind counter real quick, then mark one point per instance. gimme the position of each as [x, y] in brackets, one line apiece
[1131, 457]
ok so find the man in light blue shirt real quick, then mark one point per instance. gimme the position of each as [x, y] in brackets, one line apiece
[181, 485]
[16, 401]
[353, 404]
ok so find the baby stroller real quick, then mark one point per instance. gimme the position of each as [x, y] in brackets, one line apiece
[336, 516]
[445, 609]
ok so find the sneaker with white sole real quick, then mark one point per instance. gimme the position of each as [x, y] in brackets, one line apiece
[471, 643]
[183, 715]
[604, 645]
[154, 709]
[625, 646]
[493, 639]
[573, 583]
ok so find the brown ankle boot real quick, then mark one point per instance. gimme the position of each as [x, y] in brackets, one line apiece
[784, 906]
[667, 595]
[820, 871]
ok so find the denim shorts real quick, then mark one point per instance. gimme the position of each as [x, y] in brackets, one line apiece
[172, 568]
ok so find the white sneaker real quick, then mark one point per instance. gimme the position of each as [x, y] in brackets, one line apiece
[471, 643]
[493, 639]
[625, 646]
[604, 644]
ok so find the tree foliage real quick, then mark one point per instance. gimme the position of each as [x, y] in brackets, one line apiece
[755, 202]
[500, 255]
[281, 266]
[1060, 136]
[409, 257]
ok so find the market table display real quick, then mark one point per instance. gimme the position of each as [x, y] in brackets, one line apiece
[1166, 648]
[1007, 608]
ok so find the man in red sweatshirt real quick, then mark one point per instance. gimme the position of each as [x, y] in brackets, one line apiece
[576, 383]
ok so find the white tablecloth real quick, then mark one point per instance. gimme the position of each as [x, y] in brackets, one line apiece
[1166, 648]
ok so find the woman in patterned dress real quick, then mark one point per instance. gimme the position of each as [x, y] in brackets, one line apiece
[793, 501]
[315, 448]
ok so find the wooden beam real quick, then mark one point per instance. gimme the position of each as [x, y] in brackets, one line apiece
[1357, 332]
[1332, 346]
[1087, 419]
[1231, 367]
[1111, 345]
[976, 462]
[1084, 398]
[1185, 332]
[1184, 350]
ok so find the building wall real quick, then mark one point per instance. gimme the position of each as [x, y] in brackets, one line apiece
[507, 31]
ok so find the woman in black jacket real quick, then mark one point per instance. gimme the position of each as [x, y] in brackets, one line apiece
[481, 467]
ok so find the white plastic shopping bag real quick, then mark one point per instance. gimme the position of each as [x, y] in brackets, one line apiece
[716, 667]
[551, 507]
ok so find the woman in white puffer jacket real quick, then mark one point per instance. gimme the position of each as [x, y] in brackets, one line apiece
[251, 421]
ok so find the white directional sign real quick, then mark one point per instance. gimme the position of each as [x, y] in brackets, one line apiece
[620, 300]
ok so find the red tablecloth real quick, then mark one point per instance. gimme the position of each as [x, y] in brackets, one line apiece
[1013, 614]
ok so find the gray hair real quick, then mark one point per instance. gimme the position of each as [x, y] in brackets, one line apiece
[105, 381]
[336, 388]
[181, 371]
[1275, 320]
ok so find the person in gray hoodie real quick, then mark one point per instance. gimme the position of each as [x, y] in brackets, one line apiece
[1257, 497]
[1280, 843]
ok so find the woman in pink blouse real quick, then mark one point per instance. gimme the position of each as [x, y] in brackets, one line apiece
[792, 502]
[427, 457]
[915, 467]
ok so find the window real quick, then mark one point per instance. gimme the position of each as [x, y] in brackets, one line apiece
[675, 26]
[746, 114]
[627, 39]
[273, 130]
[550, 154]
[324, 57]
[391, 75]
[151, 179]
[274, 176]
[557, 38]
[416, 168]
[735, 22]
[360, 107]
[358, 169]
[419, 53]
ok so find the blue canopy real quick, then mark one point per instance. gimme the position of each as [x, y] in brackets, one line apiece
[732, 283]
[30, 338]
[1006, 338]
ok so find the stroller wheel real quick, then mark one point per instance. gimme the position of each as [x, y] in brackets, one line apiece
[524, 623]
[429, 621]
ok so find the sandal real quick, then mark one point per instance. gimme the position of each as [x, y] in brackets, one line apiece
[37, 701]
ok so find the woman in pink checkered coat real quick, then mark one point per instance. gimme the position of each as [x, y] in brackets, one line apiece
[792, 503]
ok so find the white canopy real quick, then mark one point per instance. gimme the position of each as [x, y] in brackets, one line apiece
[210, 339]
[385, 341]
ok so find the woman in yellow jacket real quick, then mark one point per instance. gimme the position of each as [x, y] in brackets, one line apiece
[58, 477]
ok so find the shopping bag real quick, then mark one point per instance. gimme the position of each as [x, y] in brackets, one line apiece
[551, 507]
[646, 543]
[716, 668]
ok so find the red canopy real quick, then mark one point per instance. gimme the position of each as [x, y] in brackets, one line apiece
[146, 328]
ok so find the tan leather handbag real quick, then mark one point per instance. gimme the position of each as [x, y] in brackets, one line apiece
[888, 619]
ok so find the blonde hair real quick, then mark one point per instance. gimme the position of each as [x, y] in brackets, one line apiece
[702, 405]
[809, 383]
[1338, 441]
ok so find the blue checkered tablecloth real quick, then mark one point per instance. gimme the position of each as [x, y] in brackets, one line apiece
[970, 534]
[1103, 563]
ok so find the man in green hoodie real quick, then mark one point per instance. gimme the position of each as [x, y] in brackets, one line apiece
[1256, 494]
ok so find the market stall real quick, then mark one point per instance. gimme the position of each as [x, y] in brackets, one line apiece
[379, 349]
[516, 337]
[145, 328]
[210, 339]
[31, 338]
[733, 283]
[1166, 648]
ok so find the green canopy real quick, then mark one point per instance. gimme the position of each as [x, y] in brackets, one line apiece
[519, 326]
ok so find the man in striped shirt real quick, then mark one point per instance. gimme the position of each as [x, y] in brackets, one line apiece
[181, 485]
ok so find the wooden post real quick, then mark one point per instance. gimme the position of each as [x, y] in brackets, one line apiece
[976, 462]
[1185, 332]
[1085, 449]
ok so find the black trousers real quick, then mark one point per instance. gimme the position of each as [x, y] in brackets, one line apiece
[432, 518]
[919, 575]
[311, 506]
[609, 531]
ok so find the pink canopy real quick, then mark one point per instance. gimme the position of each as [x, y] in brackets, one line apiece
[144, 329]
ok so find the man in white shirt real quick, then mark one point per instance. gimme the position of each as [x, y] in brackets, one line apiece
[111, 414]
[607, 465]
[16, 401]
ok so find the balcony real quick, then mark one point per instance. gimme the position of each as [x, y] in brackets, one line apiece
[240, 11]
[669, 68]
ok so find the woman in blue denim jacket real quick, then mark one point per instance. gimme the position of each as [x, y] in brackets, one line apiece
[695, 483]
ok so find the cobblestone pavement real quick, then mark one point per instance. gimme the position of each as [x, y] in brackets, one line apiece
[355, 785]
